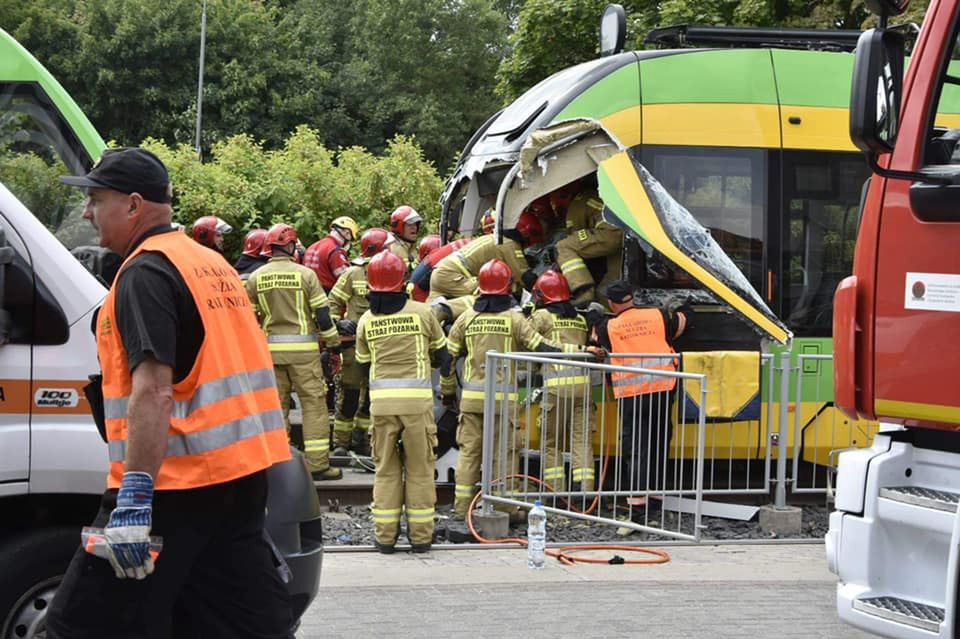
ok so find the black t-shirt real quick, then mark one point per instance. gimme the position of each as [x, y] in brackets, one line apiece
[248, 264]
[155, 311]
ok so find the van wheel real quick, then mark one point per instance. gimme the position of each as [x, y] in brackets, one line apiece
[32, 566]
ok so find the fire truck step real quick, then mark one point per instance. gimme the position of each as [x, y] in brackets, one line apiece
[909, 613]
[923, 497]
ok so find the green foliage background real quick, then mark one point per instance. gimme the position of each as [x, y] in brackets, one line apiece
[303, 183]
[319, 108]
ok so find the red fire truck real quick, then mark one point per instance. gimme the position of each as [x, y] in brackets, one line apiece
[894, 539]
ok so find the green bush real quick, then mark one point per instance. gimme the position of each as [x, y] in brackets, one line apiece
[302, 183]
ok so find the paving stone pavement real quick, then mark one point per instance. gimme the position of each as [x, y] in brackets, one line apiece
[782, 591]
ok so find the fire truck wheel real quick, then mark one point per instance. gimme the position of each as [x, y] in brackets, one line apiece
[32, 566]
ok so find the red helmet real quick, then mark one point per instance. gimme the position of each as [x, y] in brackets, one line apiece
[372, 242]
[279, 235]
[530, 228]
[488, 223]
[386, 273]
[541, 208]
[207, 228]
[551, 287]
[253, 243]
[495, 278]
[402, 216]
[427, 245]
[562, 197]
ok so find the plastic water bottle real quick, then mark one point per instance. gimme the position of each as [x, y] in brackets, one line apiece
[536, 537]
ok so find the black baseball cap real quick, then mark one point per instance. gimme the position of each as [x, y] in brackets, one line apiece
[619, 291]
[128, 170]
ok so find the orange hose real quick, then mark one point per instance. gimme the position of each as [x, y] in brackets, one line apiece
[565, 555]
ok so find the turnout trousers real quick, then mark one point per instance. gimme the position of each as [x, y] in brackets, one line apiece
[351, 423]
[469, 463]
[645, 432]
[214, 577]
[301, 372]
[581, 245]
[457, 289]
[404, 452]
[567, 422]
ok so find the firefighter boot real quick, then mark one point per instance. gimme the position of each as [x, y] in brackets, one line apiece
[327, 474]
[360, 442]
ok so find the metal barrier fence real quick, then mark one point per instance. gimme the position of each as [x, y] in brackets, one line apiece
[554, 430]
[621, 472]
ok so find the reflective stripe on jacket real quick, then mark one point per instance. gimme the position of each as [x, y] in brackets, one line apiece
[472, 335]
[398, 346]
[286, 296]
[569, 331]
[226, 421]
[640, 330]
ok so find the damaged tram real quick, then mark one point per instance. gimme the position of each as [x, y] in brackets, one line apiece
[732, 174]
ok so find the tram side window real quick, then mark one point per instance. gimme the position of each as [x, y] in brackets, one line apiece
[821, 207]
[36, 147]
[725, 190]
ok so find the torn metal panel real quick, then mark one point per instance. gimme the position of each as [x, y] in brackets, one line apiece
[551, 158]
[639, 204]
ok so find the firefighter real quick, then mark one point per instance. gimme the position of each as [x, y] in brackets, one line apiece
[348, 301]
[455, 278]
[645, 424]
[420, 278]
[252, 258]
[292, 305]
[494, 323]
[427, 245]
[588, 237]
[328, 257]
[488, 223]
[394, 338]
[566, 410]
[209, 231]
[405, 225]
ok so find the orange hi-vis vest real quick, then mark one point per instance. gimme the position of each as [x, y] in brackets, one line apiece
[226, 420]
[640, 330]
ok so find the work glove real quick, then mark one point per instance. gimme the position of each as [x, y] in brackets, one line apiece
[528, 309]
[128, 532]
[346, 327]
[449, 401]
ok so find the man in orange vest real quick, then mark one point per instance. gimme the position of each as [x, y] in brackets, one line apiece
[645, 400]
[192, 423]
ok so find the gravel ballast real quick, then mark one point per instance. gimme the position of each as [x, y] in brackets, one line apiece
[353, 526]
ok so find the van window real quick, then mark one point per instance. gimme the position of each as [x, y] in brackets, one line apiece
[725, 190]
[821, 207]
[36, 317]
[36, 147]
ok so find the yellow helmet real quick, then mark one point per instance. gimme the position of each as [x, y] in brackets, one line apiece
[348, 223]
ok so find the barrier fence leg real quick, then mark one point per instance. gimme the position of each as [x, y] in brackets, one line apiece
[491, 524]
[779, 519]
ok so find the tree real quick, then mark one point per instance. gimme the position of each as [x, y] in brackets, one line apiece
[303, 183]
[424, 68]
[359, 73]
